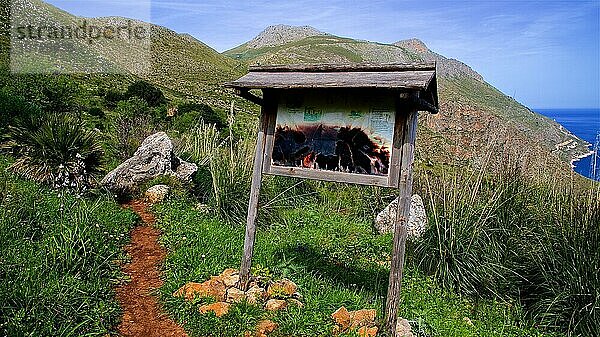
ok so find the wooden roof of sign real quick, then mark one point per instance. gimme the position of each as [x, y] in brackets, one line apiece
[415, 77]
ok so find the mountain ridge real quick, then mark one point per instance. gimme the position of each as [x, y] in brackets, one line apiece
[475, 117]
[473, 113]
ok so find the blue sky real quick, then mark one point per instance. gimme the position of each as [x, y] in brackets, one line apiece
[546, 54]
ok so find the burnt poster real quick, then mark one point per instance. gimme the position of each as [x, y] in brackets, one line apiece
[341, 132]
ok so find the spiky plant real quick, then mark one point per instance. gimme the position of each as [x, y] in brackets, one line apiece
[58, 151]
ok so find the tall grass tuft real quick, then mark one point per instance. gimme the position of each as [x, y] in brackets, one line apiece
[227, 167]
[506, 237]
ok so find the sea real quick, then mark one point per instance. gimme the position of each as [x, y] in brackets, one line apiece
[585, 124]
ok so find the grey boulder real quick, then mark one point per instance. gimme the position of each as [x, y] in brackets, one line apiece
[153, 158]
[417, 220]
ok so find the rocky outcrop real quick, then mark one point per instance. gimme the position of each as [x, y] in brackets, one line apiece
[280, 34]
[417, 220]
[153, 158]
[447, 67]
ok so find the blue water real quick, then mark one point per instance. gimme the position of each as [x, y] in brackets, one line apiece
[585, 124]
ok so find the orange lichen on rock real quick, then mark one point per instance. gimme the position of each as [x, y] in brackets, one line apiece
[219, 308]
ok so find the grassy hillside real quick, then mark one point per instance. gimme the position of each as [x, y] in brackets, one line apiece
[475, 117]
[179, 63]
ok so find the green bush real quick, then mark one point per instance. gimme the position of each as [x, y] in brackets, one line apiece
[96, 112]
[146, 91]
[190, 113]
[57, 151]
[112, 97]
[15, 110]
[58, 258]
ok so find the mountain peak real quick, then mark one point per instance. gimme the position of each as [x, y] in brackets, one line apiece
[413, 44]
[281, 34]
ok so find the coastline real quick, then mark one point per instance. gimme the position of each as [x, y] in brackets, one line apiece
[578, 158]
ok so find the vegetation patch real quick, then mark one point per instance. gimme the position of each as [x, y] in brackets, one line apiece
[59, 260]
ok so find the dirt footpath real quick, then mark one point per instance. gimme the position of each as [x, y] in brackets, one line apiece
[142, 314]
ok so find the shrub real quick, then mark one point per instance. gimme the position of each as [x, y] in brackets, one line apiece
[190, 113]
[132, 107]
[96, 112]
[129, 133]
[58, 151]
[112, 97]
[146, 91]
[15, 110]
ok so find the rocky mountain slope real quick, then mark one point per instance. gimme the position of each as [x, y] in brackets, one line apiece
[477, 124]
[278, 34]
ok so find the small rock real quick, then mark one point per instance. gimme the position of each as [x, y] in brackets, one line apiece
[403, 328]
[172, 111]
[219, 308]
[254, 294]
[284, 286]
[189, 290]
[367, 332]
[295, 302]
[342, 318]
[228, 272]
[265, 327]
[213, 288]
[417, 220]
[275, 305]
[231, 280]
[468, 321]
[234, 295]
[156, 193]
[363, 317]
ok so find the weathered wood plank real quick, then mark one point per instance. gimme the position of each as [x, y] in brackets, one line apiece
[335, 176]
[333, 67]
[270, 136]
[412, 80]
[409, 131]
[266, 111]
[245, 93]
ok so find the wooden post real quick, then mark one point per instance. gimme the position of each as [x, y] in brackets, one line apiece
[265, 115]
[406, 147]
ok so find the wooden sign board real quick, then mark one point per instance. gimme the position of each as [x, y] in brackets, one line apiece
[342, 123]
[333, 135]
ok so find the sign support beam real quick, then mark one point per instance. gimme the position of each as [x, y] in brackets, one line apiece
[405, 144]
[265, 115]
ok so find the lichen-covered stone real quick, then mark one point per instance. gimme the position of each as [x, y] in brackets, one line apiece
[417, 220]
[152, 159]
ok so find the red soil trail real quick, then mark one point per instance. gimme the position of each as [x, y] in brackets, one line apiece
[142, 315]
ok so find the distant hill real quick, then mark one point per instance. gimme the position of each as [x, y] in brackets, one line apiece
[477, 122]
[177, 62]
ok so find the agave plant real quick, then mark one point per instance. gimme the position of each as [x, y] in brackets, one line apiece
[57, 150]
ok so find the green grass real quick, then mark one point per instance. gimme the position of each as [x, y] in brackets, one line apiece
[58, 260]
[334, 257]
